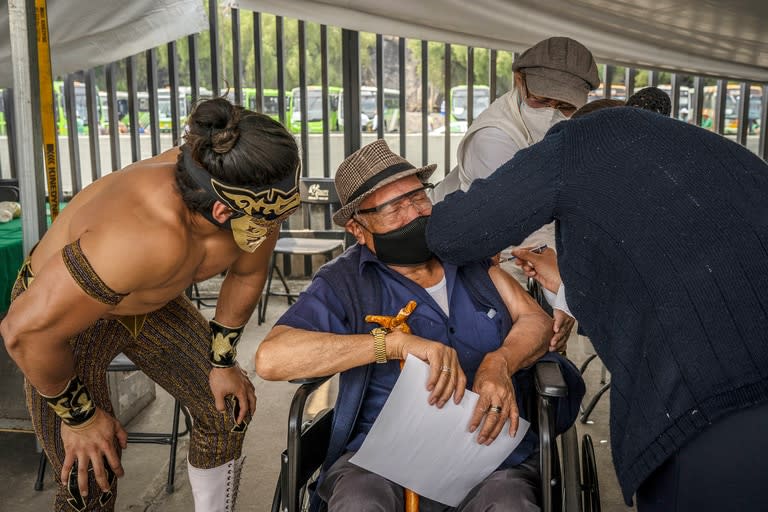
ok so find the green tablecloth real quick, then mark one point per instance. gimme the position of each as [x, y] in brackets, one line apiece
[11, 258]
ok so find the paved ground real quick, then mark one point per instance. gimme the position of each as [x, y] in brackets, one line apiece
[146, 466]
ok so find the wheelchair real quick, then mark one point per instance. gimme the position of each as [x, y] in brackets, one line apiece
[564, 486]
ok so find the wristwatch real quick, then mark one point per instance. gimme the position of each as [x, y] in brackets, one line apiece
[380, 344]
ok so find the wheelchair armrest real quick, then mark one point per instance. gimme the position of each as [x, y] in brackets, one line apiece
[549, 380]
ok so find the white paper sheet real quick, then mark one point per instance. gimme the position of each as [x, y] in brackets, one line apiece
[431, 450]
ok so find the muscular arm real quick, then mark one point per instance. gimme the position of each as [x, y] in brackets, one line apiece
[242, 287]
[55, 307]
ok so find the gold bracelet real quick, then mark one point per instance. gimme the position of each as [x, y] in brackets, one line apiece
[380, 344]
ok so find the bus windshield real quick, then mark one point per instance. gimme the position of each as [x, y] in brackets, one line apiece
[314, 105]
[480, 102]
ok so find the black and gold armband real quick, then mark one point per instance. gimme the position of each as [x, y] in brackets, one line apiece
[223, 344]
[74, 405]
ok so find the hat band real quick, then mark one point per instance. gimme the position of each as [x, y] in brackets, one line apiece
[381, 176]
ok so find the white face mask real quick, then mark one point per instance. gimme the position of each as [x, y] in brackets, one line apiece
[539, 120]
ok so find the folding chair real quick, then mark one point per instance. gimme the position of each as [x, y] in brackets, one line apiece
[121, 363]
[316, 194]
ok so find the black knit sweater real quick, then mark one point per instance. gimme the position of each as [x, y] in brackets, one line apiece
[662, 239]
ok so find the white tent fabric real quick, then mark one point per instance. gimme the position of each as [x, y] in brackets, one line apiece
[87, 33]
[726, 38]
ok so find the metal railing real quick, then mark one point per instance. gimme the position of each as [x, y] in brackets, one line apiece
[142, 133]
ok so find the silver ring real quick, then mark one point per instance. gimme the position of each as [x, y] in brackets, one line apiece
[495, 408]
[445, 369]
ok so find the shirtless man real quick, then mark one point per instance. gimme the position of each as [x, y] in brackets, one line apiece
[109, 277]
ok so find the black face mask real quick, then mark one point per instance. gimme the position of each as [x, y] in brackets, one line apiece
[406, 245]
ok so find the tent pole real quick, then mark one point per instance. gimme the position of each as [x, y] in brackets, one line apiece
[21, 21]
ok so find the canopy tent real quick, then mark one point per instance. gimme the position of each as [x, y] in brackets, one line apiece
[85, 34]
[724, 38]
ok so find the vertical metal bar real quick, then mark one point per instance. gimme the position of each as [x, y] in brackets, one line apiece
[743, 130]
[302, 35]
[133, 108]
[259, 99]
[470, 85]
[698, 100]
[674, 93]
[424, 103]
[213, 24]
[653, 78]
[154, 108]
[629, 81]
[10, 127]
[493, 78]
[326, 109]
[608, 81]
[762, 148]
[21, 24]
[112, 112]
[447, 96]
[194, 72]
[380, 86]
[173, 82]
[280, 70]
[402, 117]
[94, 126]
[350, 58]
[73, 137]
[722, 91]
[238, 79]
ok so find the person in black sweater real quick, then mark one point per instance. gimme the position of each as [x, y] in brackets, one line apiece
[662, 245]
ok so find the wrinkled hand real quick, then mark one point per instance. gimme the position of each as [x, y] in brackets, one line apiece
[233, 381]
[542, 267]
[494, 385]
[562, 329]
[89, 446]
[446, 377]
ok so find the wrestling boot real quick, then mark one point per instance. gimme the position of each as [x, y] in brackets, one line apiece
[215, 489]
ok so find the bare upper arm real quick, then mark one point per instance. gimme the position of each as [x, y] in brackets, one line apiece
[517, 300]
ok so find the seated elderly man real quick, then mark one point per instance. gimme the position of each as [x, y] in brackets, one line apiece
[474, 325]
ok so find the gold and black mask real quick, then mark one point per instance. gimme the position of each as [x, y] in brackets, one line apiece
[256, 211]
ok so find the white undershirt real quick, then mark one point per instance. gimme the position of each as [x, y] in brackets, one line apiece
[439, 292]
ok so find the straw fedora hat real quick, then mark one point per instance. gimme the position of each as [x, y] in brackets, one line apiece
[367, 170]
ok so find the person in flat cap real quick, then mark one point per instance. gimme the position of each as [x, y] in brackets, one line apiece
[551, 81]
[387, 297]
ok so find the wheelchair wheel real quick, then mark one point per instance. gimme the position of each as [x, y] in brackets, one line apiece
[590, 485]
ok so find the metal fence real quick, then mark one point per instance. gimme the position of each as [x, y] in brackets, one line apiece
[141, 123]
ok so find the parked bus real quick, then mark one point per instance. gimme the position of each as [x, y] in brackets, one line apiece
[618, 92]
[732, 108]
[269, 101]
[481, 99]
[81, 108]
[314, 109]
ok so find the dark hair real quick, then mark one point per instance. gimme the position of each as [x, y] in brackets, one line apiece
[653, 99]
[597, 105]
[238, 146]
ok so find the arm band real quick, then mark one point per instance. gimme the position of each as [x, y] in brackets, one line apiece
[74, 405]
[86, 278]
[223, 342]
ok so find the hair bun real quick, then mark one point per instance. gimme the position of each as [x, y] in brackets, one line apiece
[223, 140]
